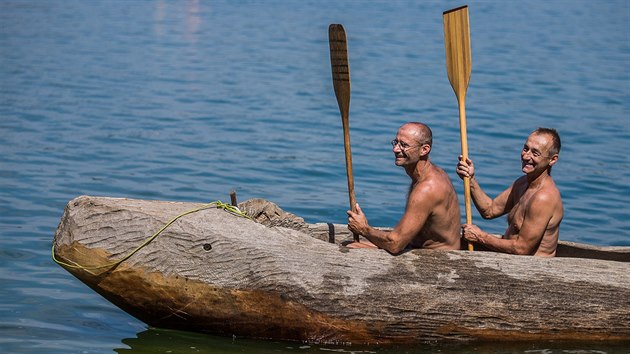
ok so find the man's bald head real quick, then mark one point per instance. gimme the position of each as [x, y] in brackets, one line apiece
[420, 132]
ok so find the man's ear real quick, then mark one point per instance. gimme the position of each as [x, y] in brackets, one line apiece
[425, 149]
[553, 159]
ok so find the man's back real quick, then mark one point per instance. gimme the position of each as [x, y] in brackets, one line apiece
[442, 227]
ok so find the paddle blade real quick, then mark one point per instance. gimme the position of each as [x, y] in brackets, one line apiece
[340, 67]
[457, 45]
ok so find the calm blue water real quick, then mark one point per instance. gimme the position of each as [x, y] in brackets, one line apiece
[188, 100]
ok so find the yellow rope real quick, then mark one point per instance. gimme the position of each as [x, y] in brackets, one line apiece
[218, 204]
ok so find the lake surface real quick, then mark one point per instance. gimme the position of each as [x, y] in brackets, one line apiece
[188, 100]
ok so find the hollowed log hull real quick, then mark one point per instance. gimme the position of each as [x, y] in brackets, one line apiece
[218, 273]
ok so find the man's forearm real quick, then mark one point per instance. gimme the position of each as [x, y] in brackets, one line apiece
[382, 239]
[482, 202]
[496, 243]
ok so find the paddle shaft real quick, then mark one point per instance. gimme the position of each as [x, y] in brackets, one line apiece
[464, 142]
[341, 84]
[458, 67]
[348, 152]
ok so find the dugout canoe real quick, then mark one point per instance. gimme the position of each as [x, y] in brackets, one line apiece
[276, 277]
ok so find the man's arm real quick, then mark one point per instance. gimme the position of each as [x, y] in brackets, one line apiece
[487, 207]
[419, 206]
[490, 208]
[537, 217]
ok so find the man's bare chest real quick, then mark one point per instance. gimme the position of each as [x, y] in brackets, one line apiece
[521, 203]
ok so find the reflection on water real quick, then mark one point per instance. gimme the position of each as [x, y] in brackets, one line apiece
[168, 341]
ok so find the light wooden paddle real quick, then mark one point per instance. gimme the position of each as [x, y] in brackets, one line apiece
[458, 67]
[341, 83]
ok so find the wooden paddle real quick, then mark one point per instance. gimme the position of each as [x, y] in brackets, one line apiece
[341, 83]
[458, 67]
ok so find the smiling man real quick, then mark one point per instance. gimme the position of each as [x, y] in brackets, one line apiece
[532, 202]
[432, 217]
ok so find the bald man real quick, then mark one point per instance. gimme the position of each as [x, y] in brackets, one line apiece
[432, 217]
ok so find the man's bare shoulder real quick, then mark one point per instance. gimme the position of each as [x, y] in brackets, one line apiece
[549, 193]
[442, 182]
[434, 186]
[422, 189]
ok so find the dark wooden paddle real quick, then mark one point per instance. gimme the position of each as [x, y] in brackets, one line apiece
[341, 83]
[458, 67]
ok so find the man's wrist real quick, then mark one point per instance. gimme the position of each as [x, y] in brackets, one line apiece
[482, 237]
